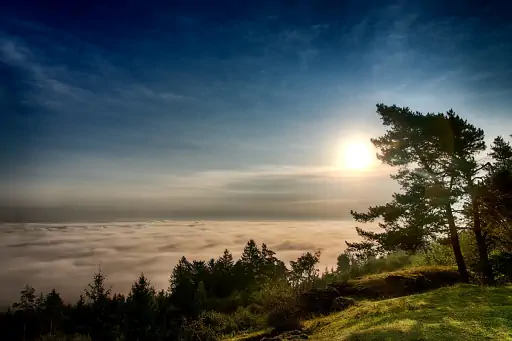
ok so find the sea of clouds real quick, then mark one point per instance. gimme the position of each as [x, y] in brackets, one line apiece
[65, 256]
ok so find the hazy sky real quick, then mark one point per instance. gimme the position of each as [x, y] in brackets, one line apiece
[228, 108]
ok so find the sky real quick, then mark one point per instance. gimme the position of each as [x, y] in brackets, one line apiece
[228, 109]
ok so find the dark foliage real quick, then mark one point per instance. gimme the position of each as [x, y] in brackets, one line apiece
[318, 301]
[204, 299]
[284, 317]
[502, 266]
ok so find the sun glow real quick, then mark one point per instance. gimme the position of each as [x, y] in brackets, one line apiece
[357, 155]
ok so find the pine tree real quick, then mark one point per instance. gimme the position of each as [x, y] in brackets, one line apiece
[27, 299]
[496, 195]
[273, 268]
[98, 301]
[182, 287]
[53, 310]
[248, 267]
[436, 159]
[140, 311]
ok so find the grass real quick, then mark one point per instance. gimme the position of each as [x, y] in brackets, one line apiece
[406, 272]
[399, 283]
[462, 312]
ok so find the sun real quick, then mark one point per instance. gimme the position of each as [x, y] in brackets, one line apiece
[357, 155]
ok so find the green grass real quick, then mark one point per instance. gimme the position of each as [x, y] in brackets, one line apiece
[413, 271]
[463, 312]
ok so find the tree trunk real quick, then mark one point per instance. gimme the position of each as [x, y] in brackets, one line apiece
[454, 239]
[485, 266]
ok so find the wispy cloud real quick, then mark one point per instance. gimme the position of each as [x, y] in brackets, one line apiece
[189, 105]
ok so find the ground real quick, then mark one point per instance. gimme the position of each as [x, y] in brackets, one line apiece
[462, 312]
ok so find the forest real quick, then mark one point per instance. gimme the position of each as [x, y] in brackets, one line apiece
[450, 222]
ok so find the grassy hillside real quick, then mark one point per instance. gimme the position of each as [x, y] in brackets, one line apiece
[462, 312]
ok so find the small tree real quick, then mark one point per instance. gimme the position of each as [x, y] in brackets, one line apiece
[251, 259]
[140, 311]
[27, 300]
[343, 263]
[26, 308]
[303, 272]
[98, 299]
[53, 310]
[182, 287]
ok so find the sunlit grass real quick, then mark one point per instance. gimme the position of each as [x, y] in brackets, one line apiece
[464, 312]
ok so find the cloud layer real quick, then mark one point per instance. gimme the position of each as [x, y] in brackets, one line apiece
[65, 256]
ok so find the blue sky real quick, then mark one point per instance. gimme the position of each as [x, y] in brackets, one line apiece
[229, 108]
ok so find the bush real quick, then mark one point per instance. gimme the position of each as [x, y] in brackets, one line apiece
[241, 320]
[280, 302]
[318, 301]
[227, 304]
[220, 322]
[502, 266]
[273, 294]
[245, 320]
[197, 330]
[392, 262]
[436, 255]
[441, 254]
[284, 318]
[469, 250]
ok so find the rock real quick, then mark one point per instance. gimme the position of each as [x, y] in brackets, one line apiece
[342, 303]
[318, 301]
[293, 335]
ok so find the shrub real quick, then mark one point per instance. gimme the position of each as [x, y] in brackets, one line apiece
[280, 302]
[272, 294]
[392, 262]
[245, 320]
[502, 266]
[241, 320]
[437, 254]
[318, 301]
[442, 254]
[197, 330]
[469, 250]
[220, 322]
[284, 317]
[227, 304]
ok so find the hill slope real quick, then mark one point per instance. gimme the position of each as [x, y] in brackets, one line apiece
[463, 312]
